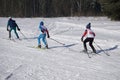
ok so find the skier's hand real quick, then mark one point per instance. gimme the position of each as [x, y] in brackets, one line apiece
[42, 31]
[82, 39]
[18, 29]
[48, 36]
[7, 29]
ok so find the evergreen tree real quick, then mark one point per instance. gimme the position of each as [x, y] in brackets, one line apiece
[112, 9]
[49, 8]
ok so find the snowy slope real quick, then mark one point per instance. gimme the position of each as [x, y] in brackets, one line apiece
[18, 61]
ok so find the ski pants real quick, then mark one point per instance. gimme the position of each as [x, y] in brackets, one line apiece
[90, 40]
[43, 37]
[14, 32]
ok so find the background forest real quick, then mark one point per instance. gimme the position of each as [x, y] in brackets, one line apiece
[60, 8]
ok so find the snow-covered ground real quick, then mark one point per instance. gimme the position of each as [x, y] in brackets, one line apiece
[18, 61]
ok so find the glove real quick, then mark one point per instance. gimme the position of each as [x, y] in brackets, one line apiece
[7, 29]
[48, 36]
[82, 39]
[18, 29]
[42, 31]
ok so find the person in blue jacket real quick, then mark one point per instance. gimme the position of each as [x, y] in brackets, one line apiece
[44, 32]
[11, 25]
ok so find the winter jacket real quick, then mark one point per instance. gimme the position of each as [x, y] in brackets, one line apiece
[89, 33]
[12, 23]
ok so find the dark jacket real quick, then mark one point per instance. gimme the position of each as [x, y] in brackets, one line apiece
[12, 24]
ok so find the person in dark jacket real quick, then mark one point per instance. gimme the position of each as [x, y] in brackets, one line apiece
[11, 25]
[90, 35]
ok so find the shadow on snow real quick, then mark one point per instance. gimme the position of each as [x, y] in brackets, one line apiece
[109, 49]
[67, 46]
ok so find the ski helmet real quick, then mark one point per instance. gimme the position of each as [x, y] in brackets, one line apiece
[41, 23]
[10, 17]
[88, 25]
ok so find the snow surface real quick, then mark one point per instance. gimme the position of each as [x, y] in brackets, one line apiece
[18, 61]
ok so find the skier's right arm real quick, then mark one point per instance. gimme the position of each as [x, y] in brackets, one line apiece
[84, 35]
[7, 26]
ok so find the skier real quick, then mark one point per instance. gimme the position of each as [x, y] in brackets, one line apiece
[42, 35]
[90, 35]
[11, 25]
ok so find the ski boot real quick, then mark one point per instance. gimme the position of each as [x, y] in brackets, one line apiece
[39, 46]
[46, 46]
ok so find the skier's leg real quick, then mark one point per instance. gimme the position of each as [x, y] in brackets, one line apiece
[91, 45]
[44, 41]
[10, 33]
[84, 43]
[39, 38]
[16, 33]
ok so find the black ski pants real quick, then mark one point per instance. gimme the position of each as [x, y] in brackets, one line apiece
[90, 40]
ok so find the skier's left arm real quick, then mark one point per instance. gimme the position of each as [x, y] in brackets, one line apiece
[17, 27]
[94, 34]
[84, 35]
[15, 24]
[47, 33]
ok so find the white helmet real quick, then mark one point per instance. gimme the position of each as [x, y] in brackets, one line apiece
[10, 17]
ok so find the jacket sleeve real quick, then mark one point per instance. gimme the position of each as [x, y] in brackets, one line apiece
[84, 34]
[17, 26]
[94, 34]
[47, 33]
[8, 23]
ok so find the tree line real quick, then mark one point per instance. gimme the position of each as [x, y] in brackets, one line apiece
[55, 8]
[48, 8]
[112, 9]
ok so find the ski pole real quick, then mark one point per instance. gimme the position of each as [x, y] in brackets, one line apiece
[57, 41]
[101, 49]
[23, 35]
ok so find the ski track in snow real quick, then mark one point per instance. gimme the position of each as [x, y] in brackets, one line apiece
[18, 61]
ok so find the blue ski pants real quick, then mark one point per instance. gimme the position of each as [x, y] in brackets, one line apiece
[43, 37]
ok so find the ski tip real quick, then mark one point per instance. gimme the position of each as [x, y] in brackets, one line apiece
[108, 55]
[63, 44]
[89, 57]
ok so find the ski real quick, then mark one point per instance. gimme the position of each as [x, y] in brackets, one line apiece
[88, 53]
[106, 53]
[102, 50]
[20, 39]
[35, 47]
[10, 39]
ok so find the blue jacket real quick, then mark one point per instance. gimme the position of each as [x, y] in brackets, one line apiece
[42, 27]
